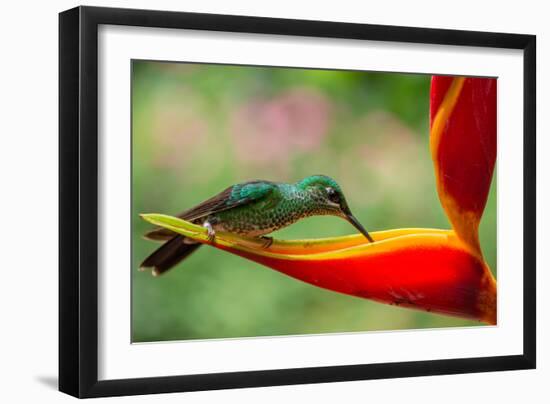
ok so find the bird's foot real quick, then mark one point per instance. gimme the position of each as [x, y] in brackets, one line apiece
[267, 241]
[211, 232]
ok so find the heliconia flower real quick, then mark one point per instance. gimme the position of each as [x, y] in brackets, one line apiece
[440, 271]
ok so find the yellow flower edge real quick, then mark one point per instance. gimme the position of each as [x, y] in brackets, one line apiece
[320, 248]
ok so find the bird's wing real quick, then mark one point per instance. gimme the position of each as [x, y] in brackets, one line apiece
[232, 197]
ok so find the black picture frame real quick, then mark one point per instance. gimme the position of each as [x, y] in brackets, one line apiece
[78, 195]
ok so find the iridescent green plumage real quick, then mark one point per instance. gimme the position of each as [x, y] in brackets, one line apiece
[253, 209]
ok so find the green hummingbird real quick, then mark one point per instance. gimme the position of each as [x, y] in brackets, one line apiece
[253, 209]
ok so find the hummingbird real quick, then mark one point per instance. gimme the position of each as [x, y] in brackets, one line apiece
[254, 209]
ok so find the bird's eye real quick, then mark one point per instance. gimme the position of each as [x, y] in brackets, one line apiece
[333, 195]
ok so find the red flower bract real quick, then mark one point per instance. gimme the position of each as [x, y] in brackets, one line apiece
[432, 272]
[463, 148]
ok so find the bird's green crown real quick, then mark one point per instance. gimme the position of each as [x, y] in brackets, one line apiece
[319, 180]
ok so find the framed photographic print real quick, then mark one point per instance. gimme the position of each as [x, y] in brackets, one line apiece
[251, 201]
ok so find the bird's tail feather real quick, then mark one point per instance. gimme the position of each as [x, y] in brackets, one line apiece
[159, 234]
[168, 255]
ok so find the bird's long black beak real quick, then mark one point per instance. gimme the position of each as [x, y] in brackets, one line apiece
[358, 226]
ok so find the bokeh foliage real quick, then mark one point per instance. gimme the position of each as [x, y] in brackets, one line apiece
[197, 129]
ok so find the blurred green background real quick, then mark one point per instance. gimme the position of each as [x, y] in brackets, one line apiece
[199, 128]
